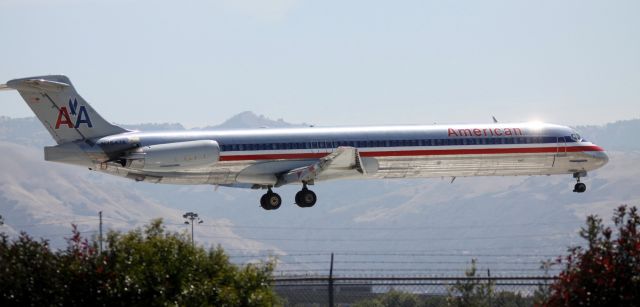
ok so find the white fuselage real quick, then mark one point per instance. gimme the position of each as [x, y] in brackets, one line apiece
[256, 157]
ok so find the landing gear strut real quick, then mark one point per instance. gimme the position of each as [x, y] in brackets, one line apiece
[270, 200]
[579, 187]
[305, 198]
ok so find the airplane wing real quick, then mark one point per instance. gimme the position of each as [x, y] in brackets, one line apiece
[343, 162]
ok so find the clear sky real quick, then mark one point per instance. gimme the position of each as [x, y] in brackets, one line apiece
[331, 62]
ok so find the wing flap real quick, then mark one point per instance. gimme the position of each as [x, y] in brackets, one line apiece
[344, 159]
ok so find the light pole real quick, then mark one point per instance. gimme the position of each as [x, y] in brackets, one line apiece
[191, 218]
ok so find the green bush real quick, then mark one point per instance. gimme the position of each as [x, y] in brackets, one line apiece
[144, 267]
[607, 271]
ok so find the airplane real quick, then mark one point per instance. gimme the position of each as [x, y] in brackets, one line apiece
[270, 158]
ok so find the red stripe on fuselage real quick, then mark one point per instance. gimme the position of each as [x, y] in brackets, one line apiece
[418, 152]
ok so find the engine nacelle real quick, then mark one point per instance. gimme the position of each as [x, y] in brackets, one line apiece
[180, 156]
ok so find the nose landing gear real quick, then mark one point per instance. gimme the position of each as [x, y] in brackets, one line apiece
[579, 187]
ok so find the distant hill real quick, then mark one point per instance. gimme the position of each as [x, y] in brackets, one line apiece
[621, 135]
[25, 131]
[509, 223]
[249, 119]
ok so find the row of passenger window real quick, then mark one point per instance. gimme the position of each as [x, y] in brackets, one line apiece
[394, 143]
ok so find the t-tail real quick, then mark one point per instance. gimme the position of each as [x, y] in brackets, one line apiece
[61, 110]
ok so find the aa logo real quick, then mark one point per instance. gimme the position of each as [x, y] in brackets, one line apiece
[80, 114]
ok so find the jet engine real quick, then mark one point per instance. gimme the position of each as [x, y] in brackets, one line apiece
[180, 156]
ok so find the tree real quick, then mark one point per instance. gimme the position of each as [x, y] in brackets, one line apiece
[144, 267]
[607, 271]
[27, 272]
[472, 291]
[543, 291]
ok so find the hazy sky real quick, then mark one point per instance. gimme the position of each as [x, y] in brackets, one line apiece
[331, 62]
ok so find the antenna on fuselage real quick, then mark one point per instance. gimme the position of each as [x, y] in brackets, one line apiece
[495, 121]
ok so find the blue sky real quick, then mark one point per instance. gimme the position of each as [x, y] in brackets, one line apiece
[332, 62]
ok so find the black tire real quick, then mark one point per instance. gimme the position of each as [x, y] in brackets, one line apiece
[580, 187]
[263, 202]
[306, 198]
[299, 199]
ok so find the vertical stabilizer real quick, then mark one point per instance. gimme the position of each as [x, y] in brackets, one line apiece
[61, 110]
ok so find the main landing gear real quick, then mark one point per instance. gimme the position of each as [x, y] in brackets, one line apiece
[270, 200]
[579, 187]
[305, 198]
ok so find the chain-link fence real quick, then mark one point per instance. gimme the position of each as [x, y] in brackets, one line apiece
[412, 291]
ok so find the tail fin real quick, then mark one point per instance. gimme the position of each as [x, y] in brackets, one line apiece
[61, 110]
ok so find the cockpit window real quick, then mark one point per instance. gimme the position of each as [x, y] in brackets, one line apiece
[576, 137]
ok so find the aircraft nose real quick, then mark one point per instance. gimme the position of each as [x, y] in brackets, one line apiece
[601, 157]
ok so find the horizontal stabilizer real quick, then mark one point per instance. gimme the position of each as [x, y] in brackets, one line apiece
[37, 85]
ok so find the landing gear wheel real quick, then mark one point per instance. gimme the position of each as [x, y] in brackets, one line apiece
[270, 201]
[306, 198]
[580, 187]
[263, 202]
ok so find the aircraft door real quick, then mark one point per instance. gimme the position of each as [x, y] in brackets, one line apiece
[562, 147]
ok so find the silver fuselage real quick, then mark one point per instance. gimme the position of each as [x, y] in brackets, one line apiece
[255, 157]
